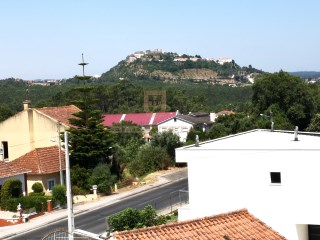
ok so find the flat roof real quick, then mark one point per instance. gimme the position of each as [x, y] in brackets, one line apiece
[261, 139]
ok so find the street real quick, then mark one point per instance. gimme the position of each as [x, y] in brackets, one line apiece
[95, 221]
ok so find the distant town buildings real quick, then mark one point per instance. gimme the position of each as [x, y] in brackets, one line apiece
[140, 54]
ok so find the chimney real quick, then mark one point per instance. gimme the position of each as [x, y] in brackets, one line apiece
[26, 104]
[197, 141]
[213, 117]
[296, 134]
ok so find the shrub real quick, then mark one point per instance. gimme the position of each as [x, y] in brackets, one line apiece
[78, 191]
[101, 176]
[131, 218]
[37, 187]
[80, 176]
[59, 194]
[11, 188]
[150, 159]
[28, 202]
[37, 190]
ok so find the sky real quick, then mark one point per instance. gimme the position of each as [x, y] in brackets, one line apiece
[45, 39]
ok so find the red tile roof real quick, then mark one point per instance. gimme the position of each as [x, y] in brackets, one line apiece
[7, 169]
[142, 119]
[162, 116]
[62, 113]
[109, 119]
[225, 112]
[233, 225]
[42, 160]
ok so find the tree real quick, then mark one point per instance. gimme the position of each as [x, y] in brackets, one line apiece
[90, 141]
[101, 176]
[131, 218]
[314, 126]
[80, 176]
[127, 131]
[5, 112]
[290, 93]
[167, 140]
[149, 159]
[123, 155]
[218, 130]
[59, 194]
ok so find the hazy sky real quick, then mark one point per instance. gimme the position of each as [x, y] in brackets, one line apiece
[45, 39]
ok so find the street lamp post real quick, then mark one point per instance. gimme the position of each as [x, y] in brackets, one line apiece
[68, 183]
[271, 120]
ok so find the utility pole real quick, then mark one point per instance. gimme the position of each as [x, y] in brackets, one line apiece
[60, 161]
[68, 183]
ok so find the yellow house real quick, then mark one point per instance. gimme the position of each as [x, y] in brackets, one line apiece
[44, 165]
[31, 138]
[33, 128]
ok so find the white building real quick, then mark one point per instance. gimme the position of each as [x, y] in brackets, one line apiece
[182, 124]
[274, 176]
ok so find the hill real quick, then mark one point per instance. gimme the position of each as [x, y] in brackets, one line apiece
[307, 74]
[172, 68]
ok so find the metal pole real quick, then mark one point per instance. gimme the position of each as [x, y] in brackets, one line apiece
[68, 183]
[271, 120]
[60, 161]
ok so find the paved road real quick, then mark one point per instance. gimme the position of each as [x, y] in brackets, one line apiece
[94, 220]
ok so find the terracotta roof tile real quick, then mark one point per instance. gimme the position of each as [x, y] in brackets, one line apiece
[7, 169]
[224, 112]
[237, 225]
[42, 160]
[62, 114]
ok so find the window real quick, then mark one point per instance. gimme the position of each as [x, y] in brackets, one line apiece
[5, 150]
[275, 177]
[51, 183]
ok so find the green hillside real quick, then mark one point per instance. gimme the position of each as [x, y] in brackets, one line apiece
[171, 68]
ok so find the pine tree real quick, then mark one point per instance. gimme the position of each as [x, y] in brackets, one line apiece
[90, 141]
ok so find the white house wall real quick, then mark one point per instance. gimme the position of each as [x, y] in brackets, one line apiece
[227, 180]
[179, 127]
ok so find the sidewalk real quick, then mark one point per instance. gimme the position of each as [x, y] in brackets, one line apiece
[57, 215]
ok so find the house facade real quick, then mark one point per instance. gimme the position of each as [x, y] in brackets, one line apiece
[182, 124]
[11, 171]
[33, 128]
[275, 175]
[30, 140]
[145, 120]
[44, 165]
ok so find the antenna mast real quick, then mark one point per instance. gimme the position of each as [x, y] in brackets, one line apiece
[83, 64]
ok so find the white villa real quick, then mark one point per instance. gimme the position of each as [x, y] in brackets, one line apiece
[275, 175]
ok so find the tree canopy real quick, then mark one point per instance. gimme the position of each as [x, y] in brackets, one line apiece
[289, 93]
[131, 218]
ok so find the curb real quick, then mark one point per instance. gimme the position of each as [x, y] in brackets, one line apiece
[101, 203]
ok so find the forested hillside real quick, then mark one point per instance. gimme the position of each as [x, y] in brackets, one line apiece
[123, 96]
[190, 86]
